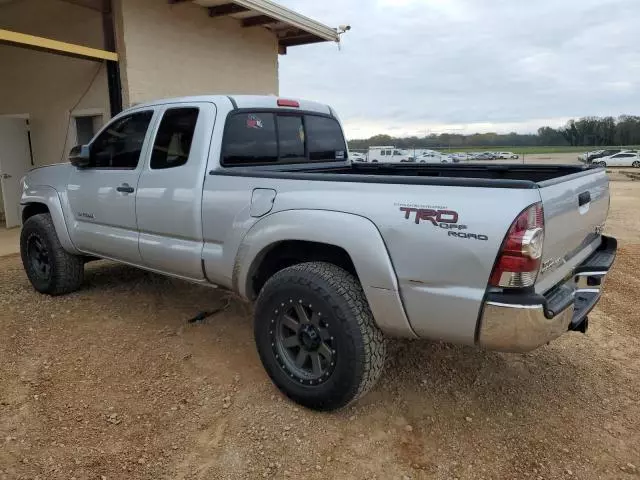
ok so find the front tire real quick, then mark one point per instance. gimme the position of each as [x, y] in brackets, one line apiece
[636, 164]
[316, 336]
[49, 267]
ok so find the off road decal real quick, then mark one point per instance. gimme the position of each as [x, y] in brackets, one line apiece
[471, 236]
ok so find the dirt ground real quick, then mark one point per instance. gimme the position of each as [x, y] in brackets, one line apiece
[113, 383]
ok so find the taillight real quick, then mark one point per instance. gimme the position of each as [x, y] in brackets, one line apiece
[519, 259]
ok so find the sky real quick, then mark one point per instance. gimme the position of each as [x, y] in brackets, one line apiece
[418, 67]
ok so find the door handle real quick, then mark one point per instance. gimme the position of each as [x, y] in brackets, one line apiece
[125, 188]
[584, 198]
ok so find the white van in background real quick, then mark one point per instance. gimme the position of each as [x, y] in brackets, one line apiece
[388, 155]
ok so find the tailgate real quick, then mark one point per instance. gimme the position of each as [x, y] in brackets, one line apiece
[575, 209]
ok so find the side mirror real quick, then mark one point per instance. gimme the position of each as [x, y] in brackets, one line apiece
[80, 156]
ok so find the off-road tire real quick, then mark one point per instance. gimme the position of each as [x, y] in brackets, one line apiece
[65, 271]
[359, 348]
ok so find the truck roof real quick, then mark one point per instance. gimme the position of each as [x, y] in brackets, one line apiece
[244, 101]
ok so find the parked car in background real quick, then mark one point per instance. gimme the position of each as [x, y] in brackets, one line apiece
[586, 156]
[459, 157]
[603, 153]
[357, 157]
[508, 156]
[622, 159]
[485, 156]
[435, 157]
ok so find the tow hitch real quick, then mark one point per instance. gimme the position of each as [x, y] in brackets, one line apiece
[581, 327]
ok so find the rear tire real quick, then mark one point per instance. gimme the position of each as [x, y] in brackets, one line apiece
[636, 164]
[316, 336]
[49, 267]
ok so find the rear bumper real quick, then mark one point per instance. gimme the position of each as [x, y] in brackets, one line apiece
[517, 322]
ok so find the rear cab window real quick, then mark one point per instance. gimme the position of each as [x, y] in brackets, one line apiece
[172, 144]
[281, 138]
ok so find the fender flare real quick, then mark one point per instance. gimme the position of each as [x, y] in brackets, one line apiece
[355, 234]
[48, 196]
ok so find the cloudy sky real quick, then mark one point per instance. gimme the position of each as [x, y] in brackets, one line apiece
[410, 67]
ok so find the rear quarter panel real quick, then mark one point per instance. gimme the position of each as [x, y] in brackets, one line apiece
[441, 278]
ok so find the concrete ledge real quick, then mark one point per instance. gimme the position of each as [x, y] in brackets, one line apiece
[9, 241]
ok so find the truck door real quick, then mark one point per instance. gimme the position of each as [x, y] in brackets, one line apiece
[169, 196]
[102, 196]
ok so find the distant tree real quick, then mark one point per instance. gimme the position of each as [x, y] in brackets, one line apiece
[550, 137]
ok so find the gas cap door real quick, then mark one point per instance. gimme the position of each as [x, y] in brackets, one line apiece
[262, 201]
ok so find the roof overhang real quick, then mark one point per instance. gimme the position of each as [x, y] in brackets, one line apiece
[290, 28]
[33, 42]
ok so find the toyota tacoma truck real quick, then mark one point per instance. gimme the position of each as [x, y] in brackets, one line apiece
[257, 194]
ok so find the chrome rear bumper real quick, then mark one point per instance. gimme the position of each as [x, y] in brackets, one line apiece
[516, 322]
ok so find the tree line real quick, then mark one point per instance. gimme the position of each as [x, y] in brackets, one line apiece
[587, 132]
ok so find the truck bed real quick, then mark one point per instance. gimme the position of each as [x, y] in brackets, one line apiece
[533, 173]
[479, 175]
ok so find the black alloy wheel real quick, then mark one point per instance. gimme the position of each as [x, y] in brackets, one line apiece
[302, 343]
[38, 256]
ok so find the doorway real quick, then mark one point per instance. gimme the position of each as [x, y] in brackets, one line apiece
[15, 162]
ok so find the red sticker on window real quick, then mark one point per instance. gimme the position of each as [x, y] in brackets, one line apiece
[254, 122]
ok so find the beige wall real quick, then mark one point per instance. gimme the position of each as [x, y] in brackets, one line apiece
[166, 50]
[47, 86]
[170, 50]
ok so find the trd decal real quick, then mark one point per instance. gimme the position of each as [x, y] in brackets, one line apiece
[443, 218]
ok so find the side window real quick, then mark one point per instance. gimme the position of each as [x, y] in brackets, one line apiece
[173, 140]
[325, 140]
[383, 153]
[291, 138]
[250, 138]
[119, 146]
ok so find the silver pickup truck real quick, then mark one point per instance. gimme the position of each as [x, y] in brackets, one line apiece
[257, 195]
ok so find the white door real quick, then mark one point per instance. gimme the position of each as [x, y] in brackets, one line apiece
[14, 163]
